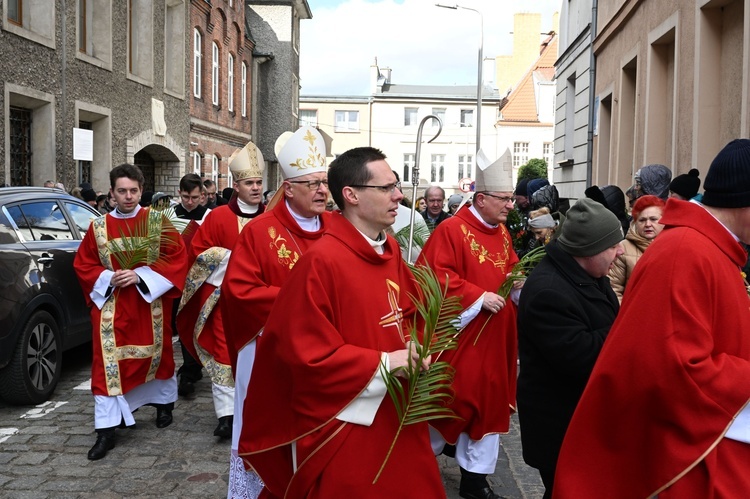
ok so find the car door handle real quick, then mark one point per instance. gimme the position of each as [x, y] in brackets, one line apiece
[45, 260]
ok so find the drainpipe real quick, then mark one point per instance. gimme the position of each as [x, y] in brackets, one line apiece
[64, 97]
[592, 99]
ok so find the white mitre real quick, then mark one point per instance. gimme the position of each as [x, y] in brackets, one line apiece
[247, 163]
[301, 152]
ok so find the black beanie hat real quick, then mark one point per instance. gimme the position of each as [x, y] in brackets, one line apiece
[88, 195]
[727, 183]
[521, 187]
[589, 228]
[687, 184]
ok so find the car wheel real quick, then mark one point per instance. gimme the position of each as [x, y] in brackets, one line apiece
[33, 372]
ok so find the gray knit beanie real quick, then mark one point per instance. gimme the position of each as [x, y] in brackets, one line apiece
[590, 228]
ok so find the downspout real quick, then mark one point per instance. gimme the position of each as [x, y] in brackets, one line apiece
[64, 98]
[592, 99]
[369, 133]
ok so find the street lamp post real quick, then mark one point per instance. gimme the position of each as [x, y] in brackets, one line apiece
[478, 121]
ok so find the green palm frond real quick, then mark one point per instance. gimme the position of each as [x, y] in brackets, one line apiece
[141, 244]
[170, 214]
[421, 396]
[421, 233]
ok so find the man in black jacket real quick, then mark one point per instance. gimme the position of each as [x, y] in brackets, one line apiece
[564, 314]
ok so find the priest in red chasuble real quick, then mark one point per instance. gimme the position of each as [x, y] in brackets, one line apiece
[473, 251]
[317, 421]
[199, 317]
[131, 265]
[665, 412]
[265, 253]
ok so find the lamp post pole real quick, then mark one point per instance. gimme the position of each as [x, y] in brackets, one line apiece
[478, 120]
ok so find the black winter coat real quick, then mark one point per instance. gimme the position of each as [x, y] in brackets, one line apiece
[564, 316]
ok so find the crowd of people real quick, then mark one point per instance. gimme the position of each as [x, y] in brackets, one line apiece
[634, 368]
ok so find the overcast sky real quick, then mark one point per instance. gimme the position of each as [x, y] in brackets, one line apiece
[421, 43]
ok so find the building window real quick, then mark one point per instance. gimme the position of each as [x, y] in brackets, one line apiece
[197, 57]
[437, 168]
[408, 165]
[140, 40]
[440, 113]
[174, 48]
[346, 121]
[230, 83]
[308, 117]
[244, 89]
[465, 161]
[197, 163]
[84, 167]
[215, 168]
[410, 116]
[548, 153]
[520, 154]
[467, 117]
[31, 19]
[20, 146]
[95, 38]
[215, 74]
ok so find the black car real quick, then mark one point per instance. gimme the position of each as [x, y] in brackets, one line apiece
[42, 307]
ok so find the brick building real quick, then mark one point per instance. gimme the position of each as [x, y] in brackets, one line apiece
[220, 72]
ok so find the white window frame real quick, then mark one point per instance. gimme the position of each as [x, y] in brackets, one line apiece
[411, 116]
[215, 168]
[408, 166]
[440, 113]
[465, 162]
[215, 73]
[197, 62]
[243, 87]
[463, 114]
[306, 120]
[230, 83]
[197, 160]
[520, 154]
[437, 168]
[548, 153]
[344, 123]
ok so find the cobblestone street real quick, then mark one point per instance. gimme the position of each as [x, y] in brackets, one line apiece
[43, 450]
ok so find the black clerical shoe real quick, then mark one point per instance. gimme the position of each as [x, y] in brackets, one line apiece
[186, 388]
[164, 414]
[224, 429]
[484, 493]
[105, 441]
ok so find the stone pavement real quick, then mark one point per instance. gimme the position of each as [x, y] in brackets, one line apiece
[43, 450]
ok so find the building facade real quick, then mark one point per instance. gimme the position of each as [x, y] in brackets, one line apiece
[100, 80]
[221, 81]
[672, 84]
[275, 26]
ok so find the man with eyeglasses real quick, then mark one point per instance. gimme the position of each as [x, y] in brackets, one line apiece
[199, 319]
[473, 253]
[265, 253]
[323, 423]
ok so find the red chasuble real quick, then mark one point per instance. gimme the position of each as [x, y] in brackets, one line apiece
[132, 339]
[673, 373]
[212, 241]
[475, 258]
[262, 258]
[340, 308]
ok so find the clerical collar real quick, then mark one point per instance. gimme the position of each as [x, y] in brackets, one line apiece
[246, 208]
[306, 224]
[479, 217]
[378, 244]
[118, 214]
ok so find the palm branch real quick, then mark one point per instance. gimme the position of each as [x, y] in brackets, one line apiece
[520, 271]
[421, 233]
[142, 244]
[425, 395]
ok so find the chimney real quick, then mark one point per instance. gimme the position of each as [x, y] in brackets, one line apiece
[374, 76]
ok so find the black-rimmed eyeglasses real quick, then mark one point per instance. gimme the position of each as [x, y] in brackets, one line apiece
[503, 199]
[386, 189]
[313, 185]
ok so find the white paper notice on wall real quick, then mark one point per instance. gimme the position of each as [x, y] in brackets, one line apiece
[83, 144]
[157, 118]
